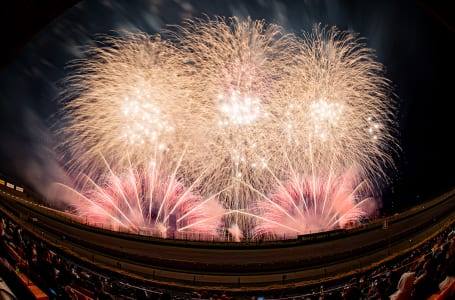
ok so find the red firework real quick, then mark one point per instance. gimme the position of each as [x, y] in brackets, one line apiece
[147, 202]
[308, 204]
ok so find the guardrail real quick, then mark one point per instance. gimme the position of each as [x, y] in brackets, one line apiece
[278, 268]
[195, 240]
[39, 212]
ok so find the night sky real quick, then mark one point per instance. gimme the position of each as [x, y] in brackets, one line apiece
[413, 39]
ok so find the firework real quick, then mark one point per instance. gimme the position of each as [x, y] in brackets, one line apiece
[292, 134]
[236, 68]
[337, 110]
[312, 204]
[148, 202]
[120, 104]
[338, 124]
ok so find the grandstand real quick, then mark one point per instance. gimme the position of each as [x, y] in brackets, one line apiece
[88, 277]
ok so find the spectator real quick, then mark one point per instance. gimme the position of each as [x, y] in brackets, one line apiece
[405, 286]
[450, 275]
[165, 296]
[2, 228]
[392, 279]
[140, 295]
[426, 284]
[352, 293]
[100, 293]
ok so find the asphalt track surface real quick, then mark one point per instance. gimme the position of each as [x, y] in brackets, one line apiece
[239, 266]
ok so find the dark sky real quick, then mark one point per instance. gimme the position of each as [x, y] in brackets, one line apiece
[413, 39]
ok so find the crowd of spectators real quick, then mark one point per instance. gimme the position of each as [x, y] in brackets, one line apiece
[426, 272]
[58, 277]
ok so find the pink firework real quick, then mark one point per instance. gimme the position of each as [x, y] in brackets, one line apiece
[308, 204]
[147, 202]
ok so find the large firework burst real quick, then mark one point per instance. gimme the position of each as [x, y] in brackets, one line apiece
[338, 110]
[121, 103]
[239, 111]
[147, 202]
[236, 68]
[309, 204]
